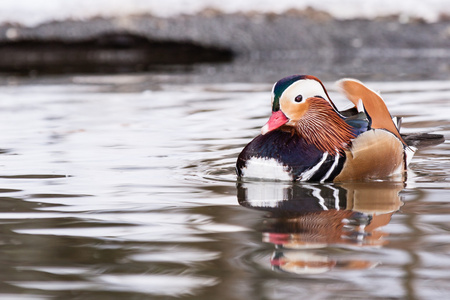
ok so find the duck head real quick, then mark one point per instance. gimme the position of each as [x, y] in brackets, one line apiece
[291, 99]
[300, 103]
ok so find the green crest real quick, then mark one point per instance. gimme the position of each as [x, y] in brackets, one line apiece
[280, 87]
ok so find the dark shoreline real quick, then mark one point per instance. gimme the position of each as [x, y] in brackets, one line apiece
[255, 47]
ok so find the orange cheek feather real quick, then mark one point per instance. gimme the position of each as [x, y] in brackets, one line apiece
[294, 111]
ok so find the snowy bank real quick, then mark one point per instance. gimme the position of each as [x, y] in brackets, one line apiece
[36, 12]
[254, 40]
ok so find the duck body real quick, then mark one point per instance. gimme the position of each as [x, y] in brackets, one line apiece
[284, 155]
[308, 139]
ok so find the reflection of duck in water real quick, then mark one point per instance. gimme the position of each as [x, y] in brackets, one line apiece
[304, 217]
[308, 139]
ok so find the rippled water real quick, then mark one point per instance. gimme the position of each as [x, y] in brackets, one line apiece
[124, 187]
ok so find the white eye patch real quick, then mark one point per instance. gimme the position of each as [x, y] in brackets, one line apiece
[307, 88]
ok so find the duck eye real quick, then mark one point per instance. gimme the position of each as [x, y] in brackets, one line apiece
[299, 98]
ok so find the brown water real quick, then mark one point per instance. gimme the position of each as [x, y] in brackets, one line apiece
[123, 187]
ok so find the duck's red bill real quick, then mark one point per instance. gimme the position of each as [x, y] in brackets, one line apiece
[276, 120]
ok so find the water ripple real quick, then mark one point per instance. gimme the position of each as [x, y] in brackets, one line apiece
[109, 194]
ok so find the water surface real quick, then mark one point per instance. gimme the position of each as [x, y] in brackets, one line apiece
[124, 187]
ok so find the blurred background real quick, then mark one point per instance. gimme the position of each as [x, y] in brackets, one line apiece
[231, 41]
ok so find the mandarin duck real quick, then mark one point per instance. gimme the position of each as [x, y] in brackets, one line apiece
[308, 139]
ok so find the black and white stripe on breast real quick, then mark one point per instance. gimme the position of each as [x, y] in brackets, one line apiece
[286, 156]
[325, 170]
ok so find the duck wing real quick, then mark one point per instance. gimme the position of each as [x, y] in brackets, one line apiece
[374, 106]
